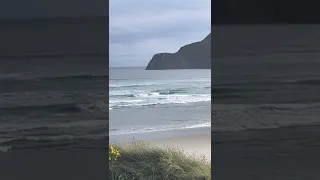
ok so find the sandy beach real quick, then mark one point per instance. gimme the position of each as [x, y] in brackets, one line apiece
[196, 141]
[198, 144]
[284, 153]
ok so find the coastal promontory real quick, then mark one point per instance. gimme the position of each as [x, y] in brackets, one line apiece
[192, 56]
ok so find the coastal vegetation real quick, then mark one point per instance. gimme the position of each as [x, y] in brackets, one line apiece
[142, 161]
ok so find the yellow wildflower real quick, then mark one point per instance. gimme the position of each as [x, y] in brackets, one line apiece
[114, 154]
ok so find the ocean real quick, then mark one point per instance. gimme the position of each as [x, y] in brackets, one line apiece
[265, 77]
[49, 101]
[147, 103]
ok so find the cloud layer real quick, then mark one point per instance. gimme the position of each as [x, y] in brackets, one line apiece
[140, 28]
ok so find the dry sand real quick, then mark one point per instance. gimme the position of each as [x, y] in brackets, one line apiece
[199, 144]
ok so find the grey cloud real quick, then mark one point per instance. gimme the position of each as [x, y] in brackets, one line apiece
[140, 28]
[151, 33]
[120, 7]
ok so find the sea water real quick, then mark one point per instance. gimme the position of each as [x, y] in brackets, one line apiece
[144, 101]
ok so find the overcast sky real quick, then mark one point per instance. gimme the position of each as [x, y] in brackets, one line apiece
[141, 28]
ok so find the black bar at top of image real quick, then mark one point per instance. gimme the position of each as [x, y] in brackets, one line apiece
[54, 89]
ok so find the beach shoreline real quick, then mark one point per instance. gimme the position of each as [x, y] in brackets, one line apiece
[195, 144]
[155, 135]
[192, 141]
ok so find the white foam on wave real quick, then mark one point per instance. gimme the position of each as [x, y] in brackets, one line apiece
[206, 124]
[164, 127]
[157, 99]
[159, 92]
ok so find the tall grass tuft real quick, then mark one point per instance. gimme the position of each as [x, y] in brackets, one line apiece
[140, 161]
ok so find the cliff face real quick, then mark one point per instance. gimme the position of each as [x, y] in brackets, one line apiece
[192, 56]
[265, 12]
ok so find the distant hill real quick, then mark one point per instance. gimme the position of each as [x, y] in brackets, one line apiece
[192, 56]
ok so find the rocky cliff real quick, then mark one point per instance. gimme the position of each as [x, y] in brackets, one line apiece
[192, 56]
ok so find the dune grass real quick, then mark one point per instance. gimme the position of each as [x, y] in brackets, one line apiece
[140, 161]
